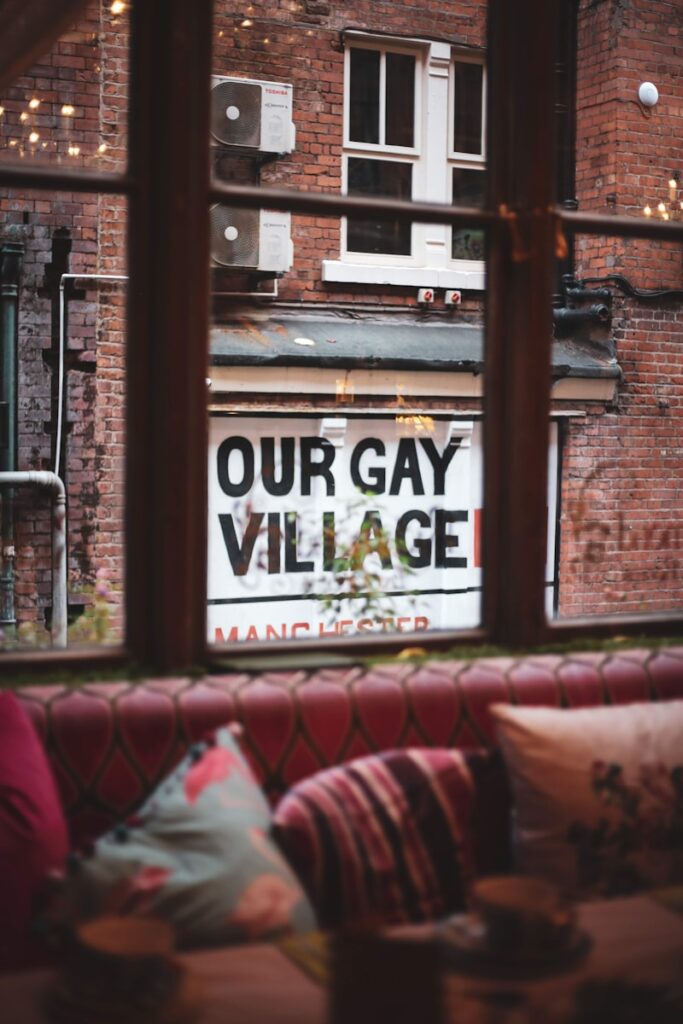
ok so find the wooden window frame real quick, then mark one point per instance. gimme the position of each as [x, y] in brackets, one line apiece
[169, 192]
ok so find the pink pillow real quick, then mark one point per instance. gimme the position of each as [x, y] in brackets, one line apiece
[33, 836]
[598, 795]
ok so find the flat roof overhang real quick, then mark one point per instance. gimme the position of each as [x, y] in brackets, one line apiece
[373, 356]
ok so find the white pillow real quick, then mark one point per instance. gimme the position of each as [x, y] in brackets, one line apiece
[598, 794]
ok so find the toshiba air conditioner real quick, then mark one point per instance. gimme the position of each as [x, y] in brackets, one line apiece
[251, 239]
[251, 115]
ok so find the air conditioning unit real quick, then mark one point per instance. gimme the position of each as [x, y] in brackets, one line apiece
[251, 239]
[252, 115]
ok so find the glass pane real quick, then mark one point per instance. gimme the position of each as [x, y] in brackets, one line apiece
[364, 96]
[345, 381]
[467, 107]
[71, 107]
[345, 455]
[379, 178]
[618, 335]
[621, 140]
[468, 190]
[400, 101]
[62, 340]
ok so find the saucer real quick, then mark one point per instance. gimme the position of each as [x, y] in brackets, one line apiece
[465, 946]
[64, 1004]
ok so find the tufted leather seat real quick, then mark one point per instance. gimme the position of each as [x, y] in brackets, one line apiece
[111, 743]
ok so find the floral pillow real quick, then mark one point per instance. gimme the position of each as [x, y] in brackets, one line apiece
[199, 854]
[598, 794]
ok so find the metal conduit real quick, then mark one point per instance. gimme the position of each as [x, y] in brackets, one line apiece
[53, 483]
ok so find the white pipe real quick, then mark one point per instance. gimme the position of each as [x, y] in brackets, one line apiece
[62, 345]
[43, 478]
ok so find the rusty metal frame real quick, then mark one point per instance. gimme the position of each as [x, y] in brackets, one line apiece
[169, 190]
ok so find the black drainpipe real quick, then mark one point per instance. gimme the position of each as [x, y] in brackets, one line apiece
[10, 269]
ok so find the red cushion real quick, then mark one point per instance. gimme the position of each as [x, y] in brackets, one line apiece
[33, 836]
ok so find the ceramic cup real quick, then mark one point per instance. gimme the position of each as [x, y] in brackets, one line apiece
[522, 915]
[123, 955]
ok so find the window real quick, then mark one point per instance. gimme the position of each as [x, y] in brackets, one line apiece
[382, 144]
[414, 129]
[467, 156]
[168, 169]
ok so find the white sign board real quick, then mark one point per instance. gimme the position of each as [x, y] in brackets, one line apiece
[335, 526]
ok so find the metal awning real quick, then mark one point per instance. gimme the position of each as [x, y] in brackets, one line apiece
[364, 343]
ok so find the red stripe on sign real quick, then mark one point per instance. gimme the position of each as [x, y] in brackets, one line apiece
[478, 513]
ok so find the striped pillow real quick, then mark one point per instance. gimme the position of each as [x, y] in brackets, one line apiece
[384, 838]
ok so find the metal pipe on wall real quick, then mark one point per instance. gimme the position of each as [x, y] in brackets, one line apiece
[50, 481]
[10, 269]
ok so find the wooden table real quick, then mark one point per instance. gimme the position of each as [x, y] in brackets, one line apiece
[634, 939]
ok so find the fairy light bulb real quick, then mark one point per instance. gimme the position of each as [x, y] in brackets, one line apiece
[102, 148]
[661, 207]
[23, 116]
[34, 137]
[68, 110]
[34, 103]
[118, 7]
[647, 210]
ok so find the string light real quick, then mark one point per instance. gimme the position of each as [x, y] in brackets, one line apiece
[73, 150]
[102, 148]
[34, 103]
[247, 23]
[118, 7]
[23, 116]
[2, 111]
[68, 110]
[672, 209]
[33, 137]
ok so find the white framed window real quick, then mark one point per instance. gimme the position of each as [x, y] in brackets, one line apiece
[467, 149]
[414, 127]
[382, 114]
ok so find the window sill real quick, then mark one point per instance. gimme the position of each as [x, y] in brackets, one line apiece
[470, 276]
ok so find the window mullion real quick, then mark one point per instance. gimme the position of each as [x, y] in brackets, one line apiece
[168, 331]
[519, 325]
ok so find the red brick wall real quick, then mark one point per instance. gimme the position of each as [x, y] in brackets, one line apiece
[621, 495]
[71, 233]
[302, 43]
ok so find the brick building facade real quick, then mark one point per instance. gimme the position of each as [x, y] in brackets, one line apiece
[619, 496]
